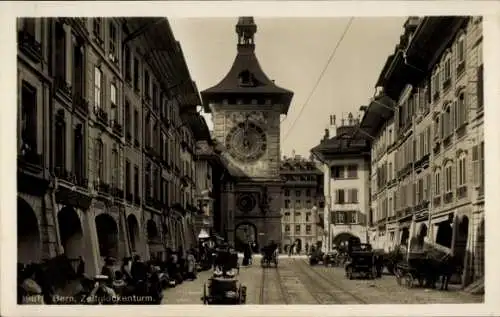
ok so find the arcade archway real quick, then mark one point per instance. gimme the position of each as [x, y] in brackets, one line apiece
[107, 233]
[71, 232]
[341, 239]
[244, 233]
[28, 234]
[152, 230]
[444, 234]
[133, 232]
[422, 233]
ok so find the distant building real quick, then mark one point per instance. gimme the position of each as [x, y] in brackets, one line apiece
[302, 201]
[345, 162]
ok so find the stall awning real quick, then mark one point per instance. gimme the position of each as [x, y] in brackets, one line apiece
[203, 234]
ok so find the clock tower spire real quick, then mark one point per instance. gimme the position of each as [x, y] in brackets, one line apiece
[246, 29]
[246, 106]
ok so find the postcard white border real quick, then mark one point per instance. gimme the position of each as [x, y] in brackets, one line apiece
[8, 72]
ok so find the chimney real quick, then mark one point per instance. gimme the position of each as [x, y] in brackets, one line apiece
[332, 128]
[327, 135]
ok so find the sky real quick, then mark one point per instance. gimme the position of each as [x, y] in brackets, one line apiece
[294, 52]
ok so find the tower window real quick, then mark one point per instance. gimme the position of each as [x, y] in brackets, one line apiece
[246, 78]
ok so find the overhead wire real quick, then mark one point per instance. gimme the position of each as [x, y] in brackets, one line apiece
[332, 55]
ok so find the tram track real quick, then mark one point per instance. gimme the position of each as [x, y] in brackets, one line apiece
[347, 296]
[264, 294]
[321, 293]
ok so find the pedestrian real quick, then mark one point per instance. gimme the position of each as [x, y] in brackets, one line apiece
[80, 271]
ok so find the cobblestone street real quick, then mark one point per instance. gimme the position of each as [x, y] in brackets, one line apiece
[295, 282]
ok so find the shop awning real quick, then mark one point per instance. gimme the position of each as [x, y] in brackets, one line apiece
[203, 234]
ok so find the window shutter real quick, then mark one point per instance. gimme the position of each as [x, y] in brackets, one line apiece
[480, 84]
[475, 164]
[443, 118]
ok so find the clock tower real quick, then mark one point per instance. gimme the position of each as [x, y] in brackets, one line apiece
[246, 107]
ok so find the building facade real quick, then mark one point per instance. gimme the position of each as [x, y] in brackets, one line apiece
[345, 161]
[101, 131]
[301, 203]
[428, 122]
[246, 107]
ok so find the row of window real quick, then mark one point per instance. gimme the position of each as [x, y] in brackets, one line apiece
[412, 194]
[346, 196]
[344, 172]
[308, 229]
[298, 217]
[298, 192]
[345, 217]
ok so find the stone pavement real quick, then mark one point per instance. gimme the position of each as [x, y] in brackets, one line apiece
[295, 282]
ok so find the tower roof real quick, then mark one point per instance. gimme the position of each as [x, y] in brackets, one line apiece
[246, 80]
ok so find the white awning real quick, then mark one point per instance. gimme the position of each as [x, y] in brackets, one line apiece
[203, 234]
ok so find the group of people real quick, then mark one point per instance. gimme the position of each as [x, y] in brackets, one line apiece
[41, 283]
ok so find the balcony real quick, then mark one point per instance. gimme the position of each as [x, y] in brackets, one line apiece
[166, 122]
[149, 201]
[448, 197]
[158, 204]
[82, 182]
[462, 192]
[447, 84]
[129, 197]
[102, 116]
[137, 199]
[30, 161]
[460, 68]
[81, 22]
[447, 140]
[63, 87]
[81, 104]
[103, 188]
[421, 206]
[98, 40]
[435, 96]
[29, 46]
[436, 202]
[117, 192]
[117, 128]
[64, 175]
[436, 148]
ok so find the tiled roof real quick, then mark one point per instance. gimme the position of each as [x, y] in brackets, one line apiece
[348, 143]
[298, 165]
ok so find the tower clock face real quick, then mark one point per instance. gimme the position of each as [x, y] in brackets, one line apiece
[246, 142]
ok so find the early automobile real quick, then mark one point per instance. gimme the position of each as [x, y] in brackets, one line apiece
[316, 257]
[269, 255]
[361, 261]
[224, 289]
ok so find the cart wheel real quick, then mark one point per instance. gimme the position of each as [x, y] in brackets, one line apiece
[408, 280]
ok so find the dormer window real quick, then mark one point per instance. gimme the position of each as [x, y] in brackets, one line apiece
[246, 78]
